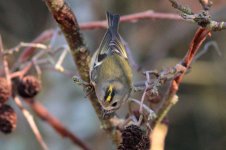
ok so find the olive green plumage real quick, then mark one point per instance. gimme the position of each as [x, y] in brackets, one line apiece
[110, 71]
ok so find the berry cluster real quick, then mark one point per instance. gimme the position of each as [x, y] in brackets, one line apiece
[27, 87]
[133, 138]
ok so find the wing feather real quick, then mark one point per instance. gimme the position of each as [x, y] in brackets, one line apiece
[111, 42]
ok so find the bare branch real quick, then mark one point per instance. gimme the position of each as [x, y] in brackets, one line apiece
[44, 36]
[22, 72]
[23, 44]
[69, 26]
[157, 137]
[206, 4]
[132, 18]
[54, 122]
[5, 63]
[203, 19]
[195, 44]
[181, 8]
[172, 101]
[32, 123]
[206, 48]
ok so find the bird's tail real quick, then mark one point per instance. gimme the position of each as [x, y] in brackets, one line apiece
[111, 42]
[113, 22]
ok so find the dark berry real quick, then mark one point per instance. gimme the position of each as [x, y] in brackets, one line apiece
[28, 87]
[8, 119]
[133, 138]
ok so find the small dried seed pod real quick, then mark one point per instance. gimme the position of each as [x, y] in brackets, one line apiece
[133, 138]
[8, 119]
[28, 87]
[4, 90]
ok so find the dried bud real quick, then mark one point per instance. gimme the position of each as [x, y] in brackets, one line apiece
[8, 119]
[4, 90]
[154, 99]
[133, 138]
[28, 87]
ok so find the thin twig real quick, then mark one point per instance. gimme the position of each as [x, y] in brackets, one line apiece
[203, 19]
[151, 113]
[172, 101]
[181, 8]
[43, 113]
[206, 48]
[60, 61]
[22, 72]
[195, 44]
[5, 64]
[32, 123]
[132, 18]
[51, 33]
[67, 73]
[23, 44]
[206, 4]
[44, 36]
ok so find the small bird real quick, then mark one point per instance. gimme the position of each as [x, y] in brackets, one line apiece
[110, 71]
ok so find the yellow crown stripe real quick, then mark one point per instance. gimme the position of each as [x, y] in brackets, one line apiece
[108, 98]
[110, 89]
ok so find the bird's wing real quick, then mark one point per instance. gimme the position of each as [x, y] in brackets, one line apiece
[111, 42]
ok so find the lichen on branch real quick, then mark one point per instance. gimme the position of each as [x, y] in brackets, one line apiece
[203, 18]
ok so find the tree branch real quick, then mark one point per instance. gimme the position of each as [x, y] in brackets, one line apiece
[158, 136]
[27, 52]
[5, 63]
[203, 19]
[54, 122]
[206, 4]
[132, 18]
[195, 44]
[32, 123]
[69, 26]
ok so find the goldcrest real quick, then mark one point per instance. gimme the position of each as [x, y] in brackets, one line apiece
[110, 71]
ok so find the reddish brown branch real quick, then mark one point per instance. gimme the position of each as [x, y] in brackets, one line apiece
[31, 122]
[195, 44]
[22, 72]
[43, 113]
[27, 52]
[66, 20]
[47, 35]
[132, 18]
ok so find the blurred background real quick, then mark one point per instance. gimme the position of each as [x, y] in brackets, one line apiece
[197, 122]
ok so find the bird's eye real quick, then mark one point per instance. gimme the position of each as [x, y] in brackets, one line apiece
[114, 104]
